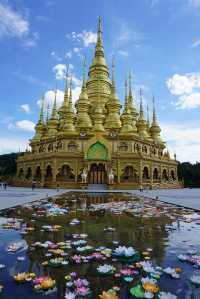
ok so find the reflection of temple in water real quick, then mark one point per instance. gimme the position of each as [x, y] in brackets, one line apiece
[138, 232]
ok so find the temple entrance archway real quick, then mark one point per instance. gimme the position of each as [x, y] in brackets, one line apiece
[97, 174]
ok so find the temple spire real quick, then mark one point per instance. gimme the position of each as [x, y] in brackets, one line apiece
[41, 121]
[154, 111]
[155, 129]
[66, 96]
[84, 73]
[130, 85]
[113, 75]
[141, 105]
[54, 109]
[148, 121]
[70, 96]
[99, 51]
[126, 108]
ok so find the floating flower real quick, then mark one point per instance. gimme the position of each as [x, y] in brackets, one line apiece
[124, 251]
[172, 272]
[70, 295]
[106, 269]
[108, 295]
[164, 295]
[82, 291]
[195, 279]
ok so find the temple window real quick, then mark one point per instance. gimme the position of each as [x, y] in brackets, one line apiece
[164, 175]
[172, 174]
[65, 173]
[145, 173]
[129, 174]
[59, 145]
[29, 173]
[21, 173]
[49, 173]
[144, 149]
[50, 147]
[123, 146]
[155, 174]
[72, 146]
[41, 149]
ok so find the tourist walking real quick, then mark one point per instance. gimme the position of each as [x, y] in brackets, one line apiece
[33, 185]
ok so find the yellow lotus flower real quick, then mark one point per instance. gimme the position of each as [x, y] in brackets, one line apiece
[20, 276]
[47, 283]
[149, 287]
[108, 295]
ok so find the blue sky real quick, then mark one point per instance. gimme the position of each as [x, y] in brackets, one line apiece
[159, 40]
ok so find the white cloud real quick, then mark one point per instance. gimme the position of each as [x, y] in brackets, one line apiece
[183, 139]
[12, 23]
[55, 56]
[60, 70]
[76, 50]
[26, 108]
[25, 125]
[68, 54]
[11, 145]
[190, 101]
[86, 37]
[49, 97]
[196, 43]
[123, 53]
[187, 87]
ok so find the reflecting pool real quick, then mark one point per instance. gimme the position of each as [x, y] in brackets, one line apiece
[69, 237]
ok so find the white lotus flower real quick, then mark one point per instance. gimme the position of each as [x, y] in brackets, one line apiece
[195, 279]
[148, 267]
[105, 268]
[164, 295]
[124, 251]
[148, 295]
[148, 280]
[182, 257]
[70, 295]
[172, 272]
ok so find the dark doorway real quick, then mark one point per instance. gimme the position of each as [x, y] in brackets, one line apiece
[97, 174]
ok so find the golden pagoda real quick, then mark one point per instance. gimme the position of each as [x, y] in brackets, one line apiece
[97, 141]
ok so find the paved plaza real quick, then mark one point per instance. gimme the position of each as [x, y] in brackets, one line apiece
[185, 197]
[14, 196]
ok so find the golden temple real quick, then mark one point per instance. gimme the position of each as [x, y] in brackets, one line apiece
[98, 141]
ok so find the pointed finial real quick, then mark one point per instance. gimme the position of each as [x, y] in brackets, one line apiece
[66, 86]
[54, 109]
[126, 90]
[99, 25]
[113, 71]
[141, 104]
[70, 95]
[130, 85]
[154, 111]
[148, 121]
[84, 70]
[48, 107]
[42, 111]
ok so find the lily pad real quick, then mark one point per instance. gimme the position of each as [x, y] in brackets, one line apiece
[137, 291]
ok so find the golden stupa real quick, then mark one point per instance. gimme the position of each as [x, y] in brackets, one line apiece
[98, 141]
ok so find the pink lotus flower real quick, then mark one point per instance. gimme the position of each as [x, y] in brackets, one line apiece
[82, 291]
[126, 271]
[81, 283]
